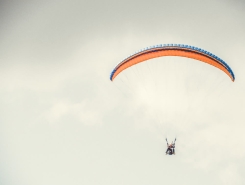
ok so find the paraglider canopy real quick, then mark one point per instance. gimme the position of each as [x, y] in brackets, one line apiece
[172, 50]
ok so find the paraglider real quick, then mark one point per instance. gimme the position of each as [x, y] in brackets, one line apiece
[176, 50]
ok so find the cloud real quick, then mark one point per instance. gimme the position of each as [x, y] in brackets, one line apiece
[84, 112]
[231, 175]
[55, 60]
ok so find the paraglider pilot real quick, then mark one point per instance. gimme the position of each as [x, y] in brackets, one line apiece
[171, 147]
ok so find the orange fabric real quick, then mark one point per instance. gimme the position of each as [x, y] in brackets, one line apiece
[173, 52]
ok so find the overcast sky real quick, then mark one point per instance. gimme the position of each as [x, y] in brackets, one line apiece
[62, 121]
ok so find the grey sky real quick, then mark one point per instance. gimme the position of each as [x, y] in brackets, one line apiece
[62, 121]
